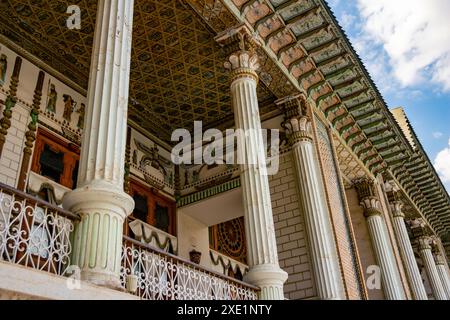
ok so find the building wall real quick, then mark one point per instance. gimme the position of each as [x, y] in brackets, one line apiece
[10, 161]
[192, 234]
[349, 261]
[290, 231]
[11, 158]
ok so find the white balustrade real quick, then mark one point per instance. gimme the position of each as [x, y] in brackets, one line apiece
[155, 275]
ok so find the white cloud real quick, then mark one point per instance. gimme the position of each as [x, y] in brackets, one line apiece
[347, 20]
[333, 3]
[437, 135]
[442, 165]
[415, 36]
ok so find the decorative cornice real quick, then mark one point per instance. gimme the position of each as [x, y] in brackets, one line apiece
[208, 193]
[42, 65]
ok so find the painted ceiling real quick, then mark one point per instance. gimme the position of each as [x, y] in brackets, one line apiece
[177, 73]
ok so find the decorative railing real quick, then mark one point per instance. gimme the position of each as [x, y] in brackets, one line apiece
[34, 233]
[153, 274]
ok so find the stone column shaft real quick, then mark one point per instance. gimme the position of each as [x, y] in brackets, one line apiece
[407, 252]
[384, 253]
[100, 199]
[320, 234]
[430, 267]
[443, 274]
[265, 271]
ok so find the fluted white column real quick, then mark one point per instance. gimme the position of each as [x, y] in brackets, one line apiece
[383, 251]
[265, 271]
[443, 274]
[430, 267]
[319, 231]
[100, 199]
[390, 275]
[407, 252]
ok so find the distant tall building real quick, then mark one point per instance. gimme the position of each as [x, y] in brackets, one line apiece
[90, 190]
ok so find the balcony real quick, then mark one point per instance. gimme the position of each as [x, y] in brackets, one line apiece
[37, 235]
[152, 274]
[34, 233]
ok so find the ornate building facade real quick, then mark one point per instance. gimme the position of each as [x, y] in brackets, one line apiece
[92, 204]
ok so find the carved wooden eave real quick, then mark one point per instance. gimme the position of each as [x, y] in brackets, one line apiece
[307, 43]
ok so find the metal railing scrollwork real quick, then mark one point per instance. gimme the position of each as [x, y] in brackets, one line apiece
[155, 275]
[34, 233]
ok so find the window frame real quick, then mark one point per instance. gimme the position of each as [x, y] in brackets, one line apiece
[154, 198]
[71, 156]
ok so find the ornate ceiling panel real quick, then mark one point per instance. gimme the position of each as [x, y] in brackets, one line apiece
[177, 73]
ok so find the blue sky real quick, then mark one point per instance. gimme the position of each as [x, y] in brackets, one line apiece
[405, 45]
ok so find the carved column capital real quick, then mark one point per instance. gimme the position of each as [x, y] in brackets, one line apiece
[367, 197]
[425, 243]
[397, 209]
[395, 199]
[240, 45]
[296, 122]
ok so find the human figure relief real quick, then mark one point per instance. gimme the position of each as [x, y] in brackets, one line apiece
[69, 106]
[81, 112]
[3, 68]
[52, 99]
